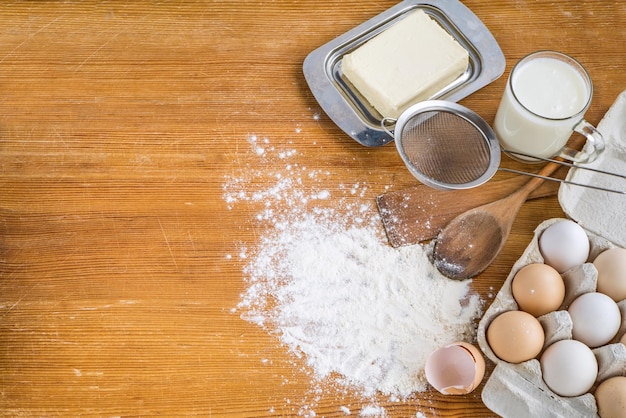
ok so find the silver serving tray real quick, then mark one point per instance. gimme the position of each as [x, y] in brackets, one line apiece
[352, 113]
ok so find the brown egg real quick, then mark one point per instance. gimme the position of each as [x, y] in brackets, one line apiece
[515, 336]
[623, 339]
[611, 266]
[538, 289]
[611, 398]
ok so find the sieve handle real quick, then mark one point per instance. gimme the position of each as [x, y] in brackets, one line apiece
[388, 122]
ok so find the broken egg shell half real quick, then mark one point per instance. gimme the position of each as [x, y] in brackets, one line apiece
[456, 369]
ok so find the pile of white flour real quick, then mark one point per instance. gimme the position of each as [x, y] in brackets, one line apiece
[324, 279]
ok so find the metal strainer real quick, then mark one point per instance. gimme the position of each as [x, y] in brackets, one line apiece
[445, 145]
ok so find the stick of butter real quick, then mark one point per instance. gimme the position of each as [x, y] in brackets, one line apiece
[405, 64]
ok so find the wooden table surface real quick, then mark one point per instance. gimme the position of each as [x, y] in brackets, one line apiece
[120, 123]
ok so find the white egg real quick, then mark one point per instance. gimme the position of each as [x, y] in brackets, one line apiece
[564, 245]
[569, 368]
[596, 318]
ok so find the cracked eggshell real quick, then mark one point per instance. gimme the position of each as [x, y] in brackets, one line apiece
[456, 369]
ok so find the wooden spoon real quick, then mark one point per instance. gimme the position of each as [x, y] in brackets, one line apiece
[419, 212]
[472, 240]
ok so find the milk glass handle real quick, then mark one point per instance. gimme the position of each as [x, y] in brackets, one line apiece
[591, 150]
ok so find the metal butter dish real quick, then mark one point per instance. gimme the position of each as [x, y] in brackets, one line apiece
[347, 107]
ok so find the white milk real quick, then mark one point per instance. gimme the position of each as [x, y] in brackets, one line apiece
[553, 96]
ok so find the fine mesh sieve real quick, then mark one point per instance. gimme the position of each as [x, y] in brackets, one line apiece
[445, 145]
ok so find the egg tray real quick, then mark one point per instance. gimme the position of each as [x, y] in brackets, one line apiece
[518, 390]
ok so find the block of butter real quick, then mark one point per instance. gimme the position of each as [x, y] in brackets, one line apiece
[407, 63]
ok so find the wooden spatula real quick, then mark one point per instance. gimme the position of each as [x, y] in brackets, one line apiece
[419, 212]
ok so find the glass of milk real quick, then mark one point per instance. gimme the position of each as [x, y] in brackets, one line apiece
[544, 102]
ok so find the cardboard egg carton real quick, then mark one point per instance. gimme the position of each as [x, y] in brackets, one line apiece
[518, 390]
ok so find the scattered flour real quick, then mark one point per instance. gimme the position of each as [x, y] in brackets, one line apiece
[323, 278]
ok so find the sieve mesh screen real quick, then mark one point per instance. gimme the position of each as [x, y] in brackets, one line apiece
[445, 147]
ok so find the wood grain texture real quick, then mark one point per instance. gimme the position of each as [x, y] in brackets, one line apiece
[119, 122]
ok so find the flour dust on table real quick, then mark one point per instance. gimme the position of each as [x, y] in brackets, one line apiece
[323, 278]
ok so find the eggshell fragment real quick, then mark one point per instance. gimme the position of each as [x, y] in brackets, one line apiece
[456, 369]
[611, 398]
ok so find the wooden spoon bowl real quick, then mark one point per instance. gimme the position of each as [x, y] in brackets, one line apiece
[472, 240]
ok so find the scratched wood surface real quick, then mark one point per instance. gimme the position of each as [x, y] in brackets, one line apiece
[119, 123]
